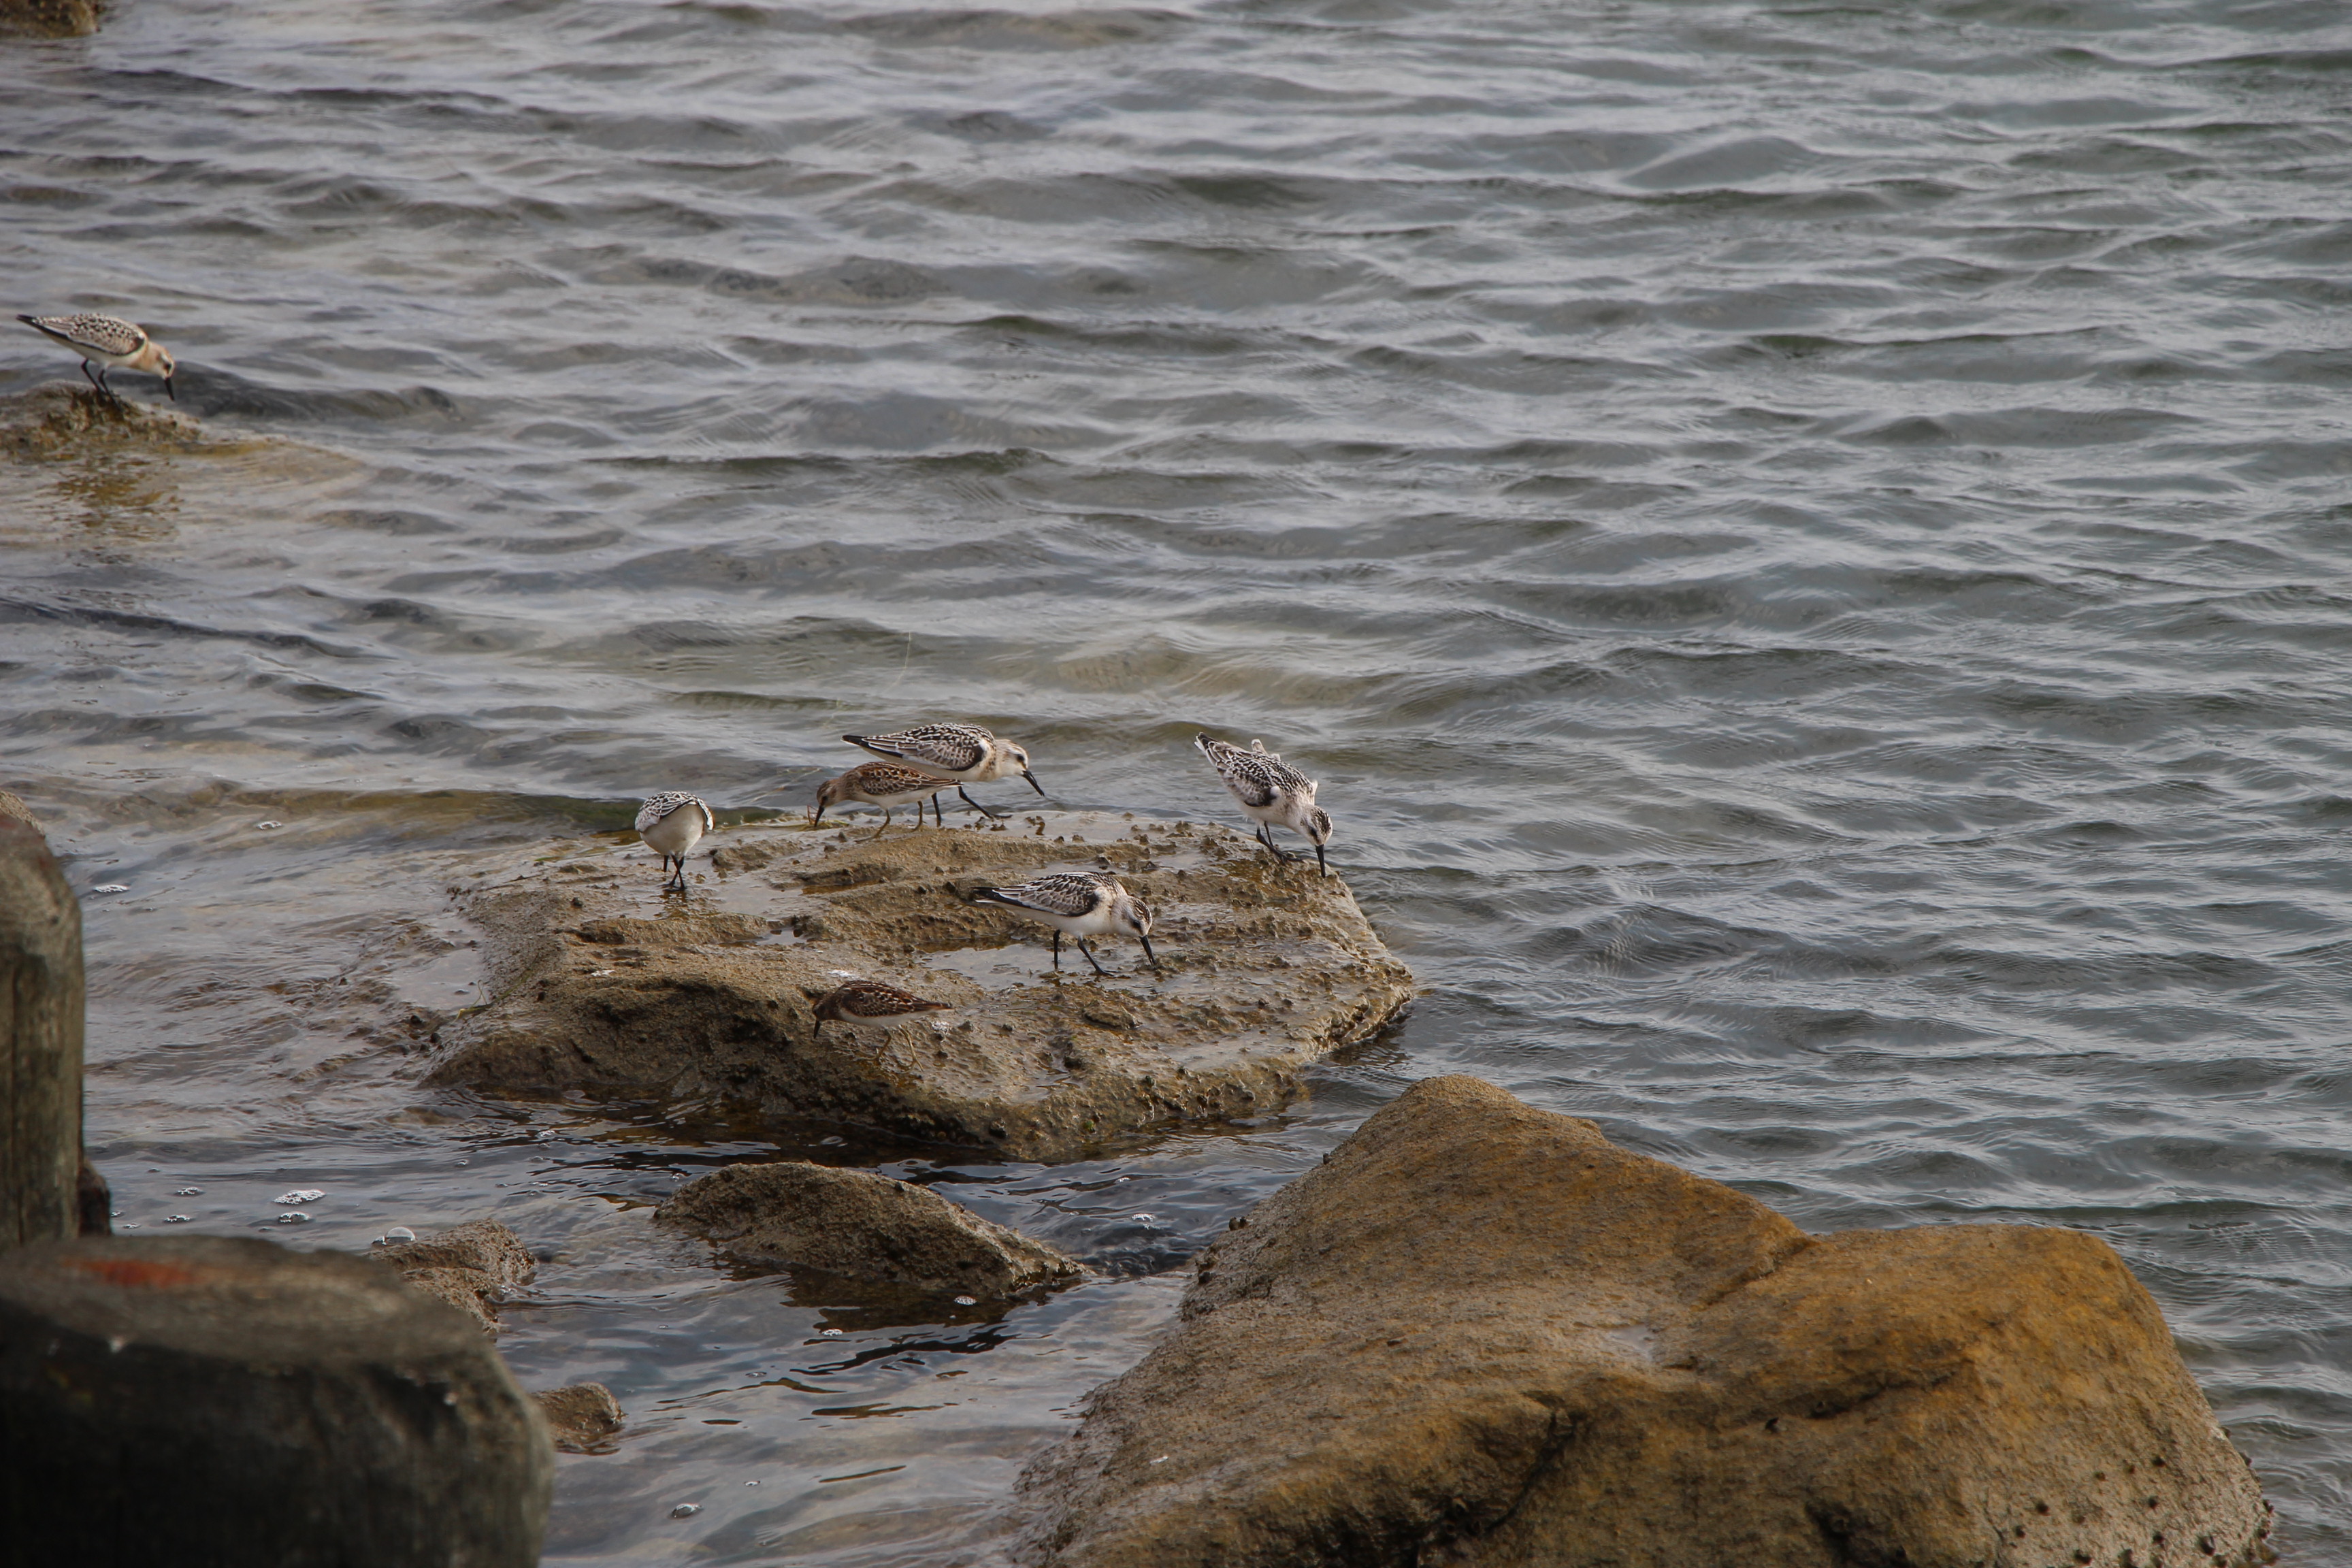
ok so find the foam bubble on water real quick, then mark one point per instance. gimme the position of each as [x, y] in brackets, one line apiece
[186, 1192]
[177, 1218]
[112, 888]
[967, 1301]
[301, 1196]
[294, 1217]
[686, 1510]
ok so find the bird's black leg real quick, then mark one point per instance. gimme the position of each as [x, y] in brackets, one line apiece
[1057, 947]
[1265, 836]
[1090, 956]
[991, 815]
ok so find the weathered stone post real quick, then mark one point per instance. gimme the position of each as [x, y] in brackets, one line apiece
[223, 1402]
[41, 1044]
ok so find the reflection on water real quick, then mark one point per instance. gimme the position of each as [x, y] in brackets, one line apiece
[1807, 546]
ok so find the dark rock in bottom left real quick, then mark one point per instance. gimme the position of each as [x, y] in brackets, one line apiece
[201, 1401]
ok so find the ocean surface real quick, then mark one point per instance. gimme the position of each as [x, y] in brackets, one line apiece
[1807, 544]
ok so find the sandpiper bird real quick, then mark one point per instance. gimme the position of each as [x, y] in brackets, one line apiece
[114, 343]
[867, 1001]
[1275, 794]
[1081, 903]
[960, 754]
[674, 822]
[885, 784]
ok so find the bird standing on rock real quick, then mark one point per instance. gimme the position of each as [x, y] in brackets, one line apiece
[1081, 903]
[672, 822]
[113, 343]
[869, 1001]
[958, 753]
[1273, 792]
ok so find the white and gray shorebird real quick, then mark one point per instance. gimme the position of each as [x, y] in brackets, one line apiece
[885, 784]
[1273, 792]
[960, 754]
[112, 344]
[1080, 904]
[673, 823]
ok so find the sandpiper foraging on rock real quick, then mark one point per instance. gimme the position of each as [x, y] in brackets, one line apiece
[1273, 792]
[113, 343]
[674, 822]
[870, 1001]
[1081, 904]
[958, 753]
[885, 784]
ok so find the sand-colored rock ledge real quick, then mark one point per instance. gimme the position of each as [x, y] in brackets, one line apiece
[601, 982]
[862, 1226]
[1482, 1333]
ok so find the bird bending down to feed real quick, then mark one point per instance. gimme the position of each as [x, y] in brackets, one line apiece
[958, 753]
[113, 343]
[1081, 904]
[867, 1001]
[1273, 792]
[885, 784]
[673, 823]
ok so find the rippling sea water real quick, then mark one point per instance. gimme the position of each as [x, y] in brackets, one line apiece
[1807, 544]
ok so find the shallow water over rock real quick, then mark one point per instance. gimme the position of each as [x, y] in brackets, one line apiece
[1807, 547]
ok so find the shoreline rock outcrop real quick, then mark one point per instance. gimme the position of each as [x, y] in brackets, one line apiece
[1482, 1333]
[862, 1226]
[600, 982]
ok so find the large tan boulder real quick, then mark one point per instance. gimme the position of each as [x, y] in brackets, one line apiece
[1482, 1333]
[600, 981]
[864, 1226]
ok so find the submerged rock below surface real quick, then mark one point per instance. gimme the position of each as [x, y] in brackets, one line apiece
[600, 981]
[1482, 1333]
[862, 1226]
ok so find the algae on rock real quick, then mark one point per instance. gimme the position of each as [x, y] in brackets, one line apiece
[1482, 1333]
[601, 982]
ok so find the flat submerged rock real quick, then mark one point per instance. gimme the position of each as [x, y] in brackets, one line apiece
[600, 981]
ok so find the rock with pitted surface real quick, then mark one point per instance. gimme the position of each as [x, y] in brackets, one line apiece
[583, 1418]
[50, 18]
[472, 1266]
[1482, 1333]
[599, 982]
[862, 1226]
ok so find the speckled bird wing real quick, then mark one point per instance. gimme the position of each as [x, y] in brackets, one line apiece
[91, 334]
[872, 999]
[1068, 893]
[661, 806]
[955, 746]
[1255, 778]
